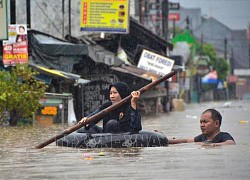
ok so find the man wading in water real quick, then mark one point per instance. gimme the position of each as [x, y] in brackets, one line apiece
[210, 123]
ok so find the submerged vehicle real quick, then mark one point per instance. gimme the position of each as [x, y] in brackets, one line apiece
[144, 138]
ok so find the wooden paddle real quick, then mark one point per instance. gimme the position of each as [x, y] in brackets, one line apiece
[105, 111]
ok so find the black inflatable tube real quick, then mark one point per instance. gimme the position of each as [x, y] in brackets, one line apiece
[143, 138]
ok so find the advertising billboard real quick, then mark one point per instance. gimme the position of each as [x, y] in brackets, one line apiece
[15, 49]
[110, 16]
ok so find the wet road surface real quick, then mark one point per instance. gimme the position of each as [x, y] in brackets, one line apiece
[18, 160]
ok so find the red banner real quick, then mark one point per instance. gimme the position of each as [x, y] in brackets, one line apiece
[15, 50]
[174, 16]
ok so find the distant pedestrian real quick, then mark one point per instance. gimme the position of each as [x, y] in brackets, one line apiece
[210, 123]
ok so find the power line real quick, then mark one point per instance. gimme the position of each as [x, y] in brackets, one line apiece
[55, 10]
[47, 16]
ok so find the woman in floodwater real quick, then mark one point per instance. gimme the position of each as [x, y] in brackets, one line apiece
[125, 118]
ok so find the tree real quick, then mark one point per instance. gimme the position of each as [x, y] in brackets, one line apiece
[20, 93]
[209, 50]
[222, 67]
[218, 64]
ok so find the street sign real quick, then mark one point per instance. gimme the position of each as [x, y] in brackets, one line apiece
[155, 63]
[173, 6]
[174, 16]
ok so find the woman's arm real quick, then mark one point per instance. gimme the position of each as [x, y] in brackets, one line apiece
[135, 122]
[134, 99]
[93, 113]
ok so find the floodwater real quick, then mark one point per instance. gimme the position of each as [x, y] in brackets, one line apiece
[19, 160]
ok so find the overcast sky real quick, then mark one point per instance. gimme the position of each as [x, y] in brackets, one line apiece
[233, 13]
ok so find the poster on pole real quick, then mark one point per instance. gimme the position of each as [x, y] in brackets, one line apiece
[3, 20]
[155, 63]
[111, 16]
[15, 49]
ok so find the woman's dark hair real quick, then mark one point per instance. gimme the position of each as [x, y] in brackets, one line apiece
[22, 27]
[122, 89]
[215, 115]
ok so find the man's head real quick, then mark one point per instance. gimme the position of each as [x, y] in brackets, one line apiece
[210, 121]
[215, 115]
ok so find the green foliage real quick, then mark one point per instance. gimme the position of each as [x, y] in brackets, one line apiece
[209, 51]
[177, 30]
[222, 67]
[20, 92]
[218, 64]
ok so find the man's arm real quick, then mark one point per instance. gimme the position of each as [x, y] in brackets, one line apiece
[228, 142]
[178, 141]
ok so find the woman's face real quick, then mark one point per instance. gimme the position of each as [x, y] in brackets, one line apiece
[21, 30]
[114, 95]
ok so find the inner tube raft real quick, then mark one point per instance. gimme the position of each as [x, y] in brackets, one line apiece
[143, 138]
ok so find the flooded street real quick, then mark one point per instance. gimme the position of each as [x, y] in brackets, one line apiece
[18, 160]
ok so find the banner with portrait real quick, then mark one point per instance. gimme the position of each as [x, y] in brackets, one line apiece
[15, 49]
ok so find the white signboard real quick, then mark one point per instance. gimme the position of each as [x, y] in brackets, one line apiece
[3, 20]
[155, 63]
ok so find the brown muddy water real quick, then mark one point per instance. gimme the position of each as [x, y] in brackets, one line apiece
[19, 160]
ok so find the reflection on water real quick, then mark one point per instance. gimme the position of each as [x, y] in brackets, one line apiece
[19, 160]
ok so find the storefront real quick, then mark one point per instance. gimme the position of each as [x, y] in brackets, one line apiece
[55, 108]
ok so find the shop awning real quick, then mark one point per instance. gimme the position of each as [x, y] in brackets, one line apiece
[57, 74]
[53, 52]
[135, 71]
[210, 78]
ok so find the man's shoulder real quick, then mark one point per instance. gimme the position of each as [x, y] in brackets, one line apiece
[225, 135]
[222, 137]
[200, 138]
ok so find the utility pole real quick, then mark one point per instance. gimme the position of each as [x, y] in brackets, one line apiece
[201, 52]
[69, 20]
[187, 22]
[158, 18]
[232, 72]
[232, 62]
[28, 16]
[141, 11]
[225, 48]
[12, 11]
[249, 54]
[174, 28]
[63, 2]
[165, 19]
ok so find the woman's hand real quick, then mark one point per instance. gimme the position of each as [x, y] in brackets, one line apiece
[83, 120]
[135, 96]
